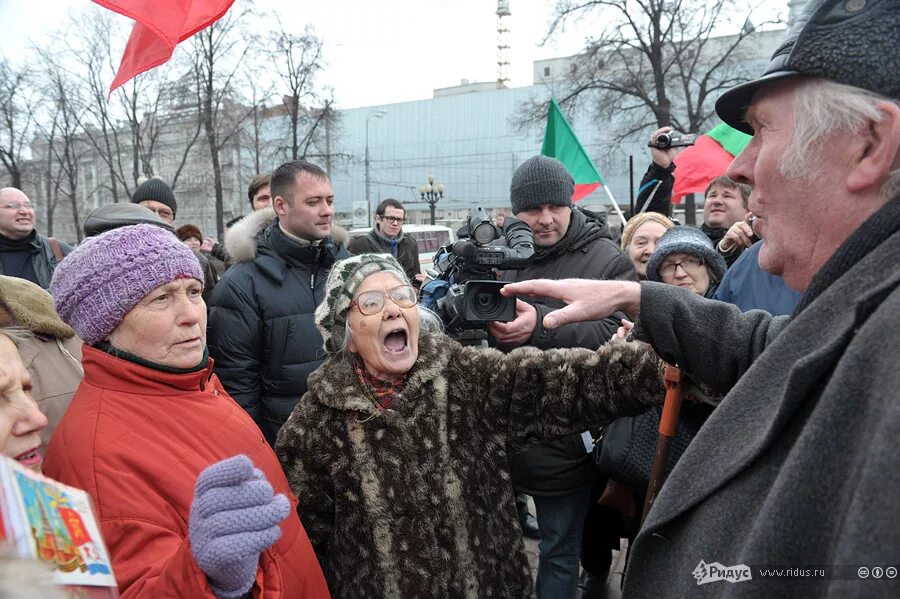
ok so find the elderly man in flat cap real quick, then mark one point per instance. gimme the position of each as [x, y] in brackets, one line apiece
[792, 487]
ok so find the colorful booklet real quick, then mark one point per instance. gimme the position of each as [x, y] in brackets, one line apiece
[53, 523]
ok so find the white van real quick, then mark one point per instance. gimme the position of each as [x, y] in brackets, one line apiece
[430, 238]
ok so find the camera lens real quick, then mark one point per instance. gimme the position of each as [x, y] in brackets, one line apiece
[663, 141]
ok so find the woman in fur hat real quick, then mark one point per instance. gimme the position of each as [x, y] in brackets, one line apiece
[398, 453]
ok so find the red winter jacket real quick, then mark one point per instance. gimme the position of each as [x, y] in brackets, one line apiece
[136, 438]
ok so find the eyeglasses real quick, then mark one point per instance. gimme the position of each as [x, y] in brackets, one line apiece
[688, 265]
[371, 302]
[397, 220]
[161, 212]
[18, 206]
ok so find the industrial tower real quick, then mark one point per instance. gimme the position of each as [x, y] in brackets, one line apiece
[502, 44]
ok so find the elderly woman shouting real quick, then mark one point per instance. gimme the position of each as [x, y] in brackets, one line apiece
[190, 498]
[399, 451]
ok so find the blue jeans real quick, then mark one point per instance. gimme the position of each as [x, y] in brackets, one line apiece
[561, 520]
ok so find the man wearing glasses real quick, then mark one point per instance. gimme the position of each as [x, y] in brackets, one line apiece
[387, 237]
[25, 253]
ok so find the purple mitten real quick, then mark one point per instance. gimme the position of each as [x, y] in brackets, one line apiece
[234, 516]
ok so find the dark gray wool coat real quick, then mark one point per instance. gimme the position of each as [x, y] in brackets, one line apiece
[416, 501]
[799, 465]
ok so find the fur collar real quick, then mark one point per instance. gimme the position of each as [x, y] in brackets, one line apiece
[25, 304]
[240, 240]
[337, 386]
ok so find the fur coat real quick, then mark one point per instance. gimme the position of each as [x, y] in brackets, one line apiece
[416, 500]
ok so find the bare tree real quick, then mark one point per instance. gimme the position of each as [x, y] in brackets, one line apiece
[654, 63]
[62, 132]
[16, 118]
[298, 58]
[218, 53]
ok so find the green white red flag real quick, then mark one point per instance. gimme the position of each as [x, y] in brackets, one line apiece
[708, 158]
[560, 142]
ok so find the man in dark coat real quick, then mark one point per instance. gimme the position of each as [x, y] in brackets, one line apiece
[792, 487]
[387, 237]
[261, 329]
[25, 253]
[569, 243]
[155, 195]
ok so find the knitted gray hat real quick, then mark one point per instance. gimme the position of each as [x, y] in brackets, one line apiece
[155, 188]
[343, 281]
[690, 241]
[540, 180]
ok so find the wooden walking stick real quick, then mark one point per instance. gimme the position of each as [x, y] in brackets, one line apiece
[668, 424]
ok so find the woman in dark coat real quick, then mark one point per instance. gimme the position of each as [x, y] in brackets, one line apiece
[398, 453]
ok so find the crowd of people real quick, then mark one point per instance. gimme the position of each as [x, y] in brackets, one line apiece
[277, 415]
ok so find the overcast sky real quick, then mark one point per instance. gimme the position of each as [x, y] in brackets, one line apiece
[378, 51]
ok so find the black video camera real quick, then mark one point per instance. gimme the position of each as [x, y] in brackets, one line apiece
[463, 288]
[664, 141]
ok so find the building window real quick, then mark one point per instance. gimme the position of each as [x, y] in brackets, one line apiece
[546, 71]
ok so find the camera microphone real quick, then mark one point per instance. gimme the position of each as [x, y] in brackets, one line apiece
[464, 248]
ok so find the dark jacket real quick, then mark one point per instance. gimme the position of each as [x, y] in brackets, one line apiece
[407, 250]
[798, 466]
[43, 260]
[655, 192]
[414, 501]
[585, 252]
[261, 329]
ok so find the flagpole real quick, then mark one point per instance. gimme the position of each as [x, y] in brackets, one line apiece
[615, 204]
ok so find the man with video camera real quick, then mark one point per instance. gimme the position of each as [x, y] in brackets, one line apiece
[569, 243]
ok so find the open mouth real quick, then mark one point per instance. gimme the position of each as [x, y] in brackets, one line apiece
[30, 457]
[396, 341]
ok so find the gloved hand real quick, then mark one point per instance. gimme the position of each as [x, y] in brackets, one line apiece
[234, 516]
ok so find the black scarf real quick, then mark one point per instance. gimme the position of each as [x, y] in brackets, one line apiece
[16, 256]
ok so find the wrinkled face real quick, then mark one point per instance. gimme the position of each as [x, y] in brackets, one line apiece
[549, 223]
[308, 212]
[388, 340]
[794, 223]
[167, 327]
[193, 243]
[16, 214]
[161, 210]
[684, 270]
[642, 244]
[724, 206]
[262, 198]
[21, 422]
[392, 221]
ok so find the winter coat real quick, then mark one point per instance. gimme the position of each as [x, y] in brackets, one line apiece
[655, 191]
[136, 438]
[374, 243]
[43, 260]
[49, 348]
[415, 500]
[261, 330]
[586, 251]
[798, 466]
[749, 287]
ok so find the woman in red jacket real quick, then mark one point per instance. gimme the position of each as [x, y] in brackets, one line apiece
[191, 499]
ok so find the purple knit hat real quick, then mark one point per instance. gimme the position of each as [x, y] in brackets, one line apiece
[106, 276]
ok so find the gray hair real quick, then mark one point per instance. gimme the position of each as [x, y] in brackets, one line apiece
[822, 107]
[429, 322]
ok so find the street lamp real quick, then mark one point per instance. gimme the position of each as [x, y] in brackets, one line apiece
[431, 193]
[377, 114]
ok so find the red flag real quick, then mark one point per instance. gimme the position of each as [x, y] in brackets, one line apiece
[160, 25]
[708, 158]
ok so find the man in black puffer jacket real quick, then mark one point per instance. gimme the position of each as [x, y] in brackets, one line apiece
[569, 243]
[261, 329]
